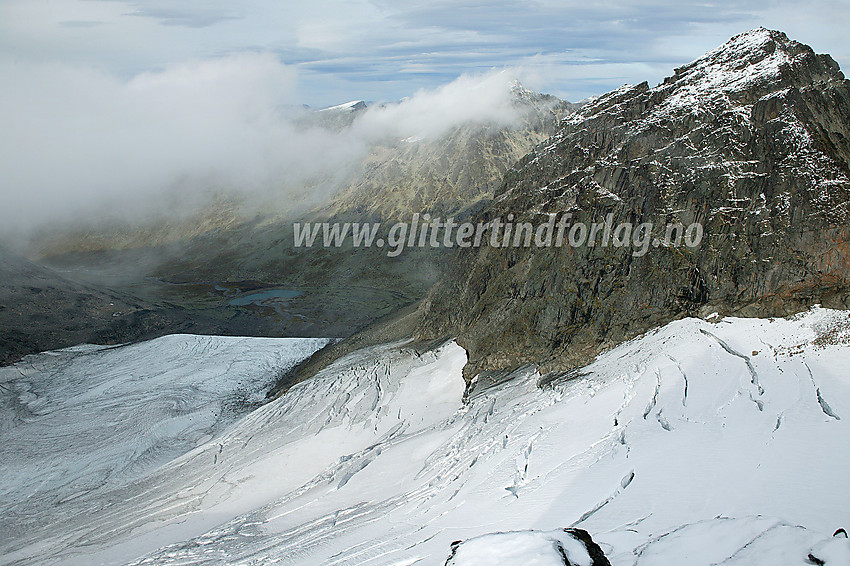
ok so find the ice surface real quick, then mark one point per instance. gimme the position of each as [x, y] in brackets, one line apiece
[699, 443]
[80, 422]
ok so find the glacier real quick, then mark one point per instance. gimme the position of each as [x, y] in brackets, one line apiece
[718, 441]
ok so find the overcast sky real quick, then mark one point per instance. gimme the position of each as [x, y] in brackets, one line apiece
[387, 49]
[129, 108]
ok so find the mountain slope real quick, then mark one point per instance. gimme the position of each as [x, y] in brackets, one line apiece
[752, 141]
[198, 263]
[441, 176]
[42, 309]
[699, 443]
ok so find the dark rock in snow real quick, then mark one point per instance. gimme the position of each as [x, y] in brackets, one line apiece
[831, 552]
[573, 547]
[593, 549]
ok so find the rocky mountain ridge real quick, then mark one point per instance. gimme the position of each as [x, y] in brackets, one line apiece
[752, 141]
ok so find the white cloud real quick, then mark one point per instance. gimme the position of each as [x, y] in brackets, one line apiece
[81, 144]
[75, 138]
[430, 113]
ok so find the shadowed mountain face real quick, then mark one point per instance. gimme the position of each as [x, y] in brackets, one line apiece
[752, 141]
[43, 309]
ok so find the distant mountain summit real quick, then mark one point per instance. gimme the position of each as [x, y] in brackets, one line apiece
[447, 173]
[352, 106]
[337, 117]
[751, 140]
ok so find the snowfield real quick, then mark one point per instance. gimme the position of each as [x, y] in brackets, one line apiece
[701, 443]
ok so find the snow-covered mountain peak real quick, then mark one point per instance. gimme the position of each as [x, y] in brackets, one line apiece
[529, 99]
[518, 89]
[351, 106]
[748, 48]
[749, 66]
[746, 67]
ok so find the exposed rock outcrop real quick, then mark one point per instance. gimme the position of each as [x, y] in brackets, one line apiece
[570, 547]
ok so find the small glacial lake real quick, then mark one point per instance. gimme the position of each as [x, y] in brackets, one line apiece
[260, 296]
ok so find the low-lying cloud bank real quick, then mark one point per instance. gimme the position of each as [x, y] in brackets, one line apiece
[82, 145]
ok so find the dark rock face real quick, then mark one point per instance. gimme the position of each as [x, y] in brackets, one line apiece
[594, 550]
[42, 309]
[522, 546]
[752, 141]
